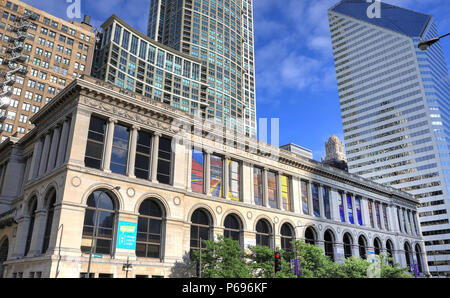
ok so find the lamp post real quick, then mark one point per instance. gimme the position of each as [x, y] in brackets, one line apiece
[426, 44]
[127, 267]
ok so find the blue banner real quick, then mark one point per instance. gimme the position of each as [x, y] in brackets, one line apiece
[126, 235]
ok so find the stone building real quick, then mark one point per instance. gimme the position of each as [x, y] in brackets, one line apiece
[335, 154]
[102, 161]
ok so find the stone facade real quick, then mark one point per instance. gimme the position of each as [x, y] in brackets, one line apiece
[52, 161]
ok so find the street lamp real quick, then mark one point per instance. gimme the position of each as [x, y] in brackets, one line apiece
[426, 44]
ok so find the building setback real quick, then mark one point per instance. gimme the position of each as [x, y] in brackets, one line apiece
[54, 52]
[395, 110]
[220, 33]
[100, 158]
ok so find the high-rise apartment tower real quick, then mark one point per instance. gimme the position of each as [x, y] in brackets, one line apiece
[220, 33]
[395, 110]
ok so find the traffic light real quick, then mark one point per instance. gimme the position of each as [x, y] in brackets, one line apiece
[277, 258]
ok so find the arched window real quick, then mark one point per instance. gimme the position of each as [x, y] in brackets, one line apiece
[201, 228]
[233, 228]
[263, 233]
[419, 257]
[287, 236]
[310, 236]
[348, 243]
[390, 249]
[407, 248]
[377, 246]
[150, 229]
[51, 199]
[329, 244]
[3, 254]
[99, 221]
[362, 244]
[32, 214]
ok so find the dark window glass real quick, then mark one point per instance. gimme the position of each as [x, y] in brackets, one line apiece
[200, 229]
[310, 236]
[316, 200]
[119, 154]
[305, 204]
[329, 245]
[347, 246]
[287, 236]
[263, 233]
[362, 247]
[377, 246]
[32, 214]
[150, 226]
[350, 209]
[164, 160]
[143, 155]
[48, 227]
[95, 143]
[98, 225]
[232, 228]
[326, 202]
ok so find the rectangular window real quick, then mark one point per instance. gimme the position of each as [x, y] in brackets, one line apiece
[350, 209]
[197, 171]
[399, 221]
[216, 179]
[316, 200]
[134, 45]
[160, 58]
[119, 154]
[164, 160]
[305, 204]
[234, 180]
[143, 155]
[326, 202]
[341, 207]
[151, 54]
[286, 193]
[257, 186]
[358, 210]
[117, 34]
[95, 143]
[272, 189]
[143, 50]
[125, 39]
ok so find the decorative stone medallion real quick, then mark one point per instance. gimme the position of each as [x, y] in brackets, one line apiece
[76, 181]
[131, 192]
[219, 209]
[177, 201]
[339, 230]
[275, 220]
[320, 227]
[249, 215]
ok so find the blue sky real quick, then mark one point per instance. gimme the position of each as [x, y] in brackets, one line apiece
[295, 77]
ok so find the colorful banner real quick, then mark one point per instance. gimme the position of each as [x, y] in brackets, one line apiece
[126, 235]
[197, 171]
[216, 176]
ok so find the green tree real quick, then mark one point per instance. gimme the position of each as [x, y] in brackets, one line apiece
[223, 258]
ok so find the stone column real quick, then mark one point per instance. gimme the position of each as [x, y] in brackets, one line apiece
[321, 202]
[374, 216]
[335, 212]
[365, 212]
[132, 152]
[310, 199]
[189, 170]
[45, 152]
[383, 226]
[21, 237]
[36, 159]
[63, 143]
[344, 202]
[108, 145]
[207, 172]
[265, 188]
[54, 148]
[247, 183]
[226, 178]
[155, 156]
[296, 195]
[355, 214]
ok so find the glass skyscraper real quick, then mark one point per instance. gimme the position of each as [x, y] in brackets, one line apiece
[219, 33]
[395, 106]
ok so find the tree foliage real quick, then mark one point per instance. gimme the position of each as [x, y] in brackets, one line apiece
[225, 258]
